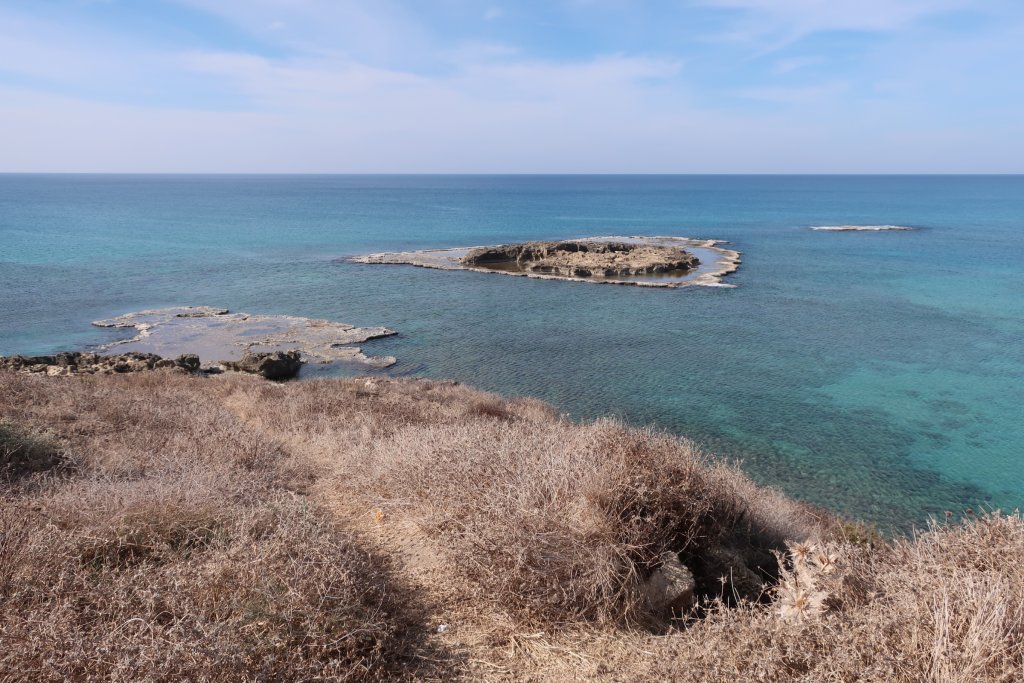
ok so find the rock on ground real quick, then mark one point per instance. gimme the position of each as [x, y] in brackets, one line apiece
[671, 588]
[275, 365]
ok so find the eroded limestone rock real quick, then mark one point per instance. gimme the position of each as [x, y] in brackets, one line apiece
[83, 363]
[671, 588]
[583, 259]
[277, 365]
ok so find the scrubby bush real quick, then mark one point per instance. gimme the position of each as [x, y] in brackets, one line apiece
[24, 452]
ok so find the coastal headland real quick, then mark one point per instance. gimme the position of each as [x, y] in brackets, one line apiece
[661, 261]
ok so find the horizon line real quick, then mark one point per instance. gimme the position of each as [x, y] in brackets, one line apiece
[510, 173]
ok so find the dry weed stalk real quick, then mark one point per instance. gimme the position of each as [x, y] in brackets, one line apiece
[802, 590]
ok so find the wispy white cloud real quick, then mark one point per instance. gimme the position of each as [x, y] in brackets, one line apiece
[773, 24]
[428, 128]
[785, 66]
[381, 31]
[278, 83]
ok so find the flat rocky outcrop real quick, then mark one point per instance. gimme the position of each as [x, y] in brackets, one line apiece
[224, 336]
[273, 346]
[582, 259]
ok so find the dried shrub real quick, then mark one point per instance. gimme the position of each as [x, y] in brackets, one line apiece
[274, 592]
[947, 605]
[178, 548]
[177, 552]
[564, 522]
[24, 452]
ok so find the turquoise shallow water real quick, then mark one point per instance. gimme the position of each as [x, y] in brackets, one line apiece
[876, 373]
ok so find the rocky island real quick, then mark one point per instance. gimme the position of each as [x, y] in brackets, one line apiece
[581, 259]
[640, 261]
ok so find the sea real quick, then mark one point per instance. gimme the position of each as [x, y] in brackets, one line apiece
[878, 374]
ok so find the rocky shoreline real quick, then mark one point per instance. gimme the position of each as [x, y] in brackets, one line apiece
[275, 365]
[712, 262]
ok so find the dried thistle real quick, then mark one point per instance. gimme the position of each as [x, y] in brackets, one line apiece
[801, 552]
[824, 560]
[800, 603]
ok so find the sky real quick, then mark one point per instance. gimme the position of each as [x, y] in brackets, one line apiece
[534, 86]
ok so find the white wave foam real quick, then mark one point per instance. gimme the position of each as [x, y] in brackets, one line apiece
[859, 228]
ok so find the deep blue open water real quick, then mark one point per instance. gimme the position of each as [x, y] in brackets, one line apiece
[879, 374]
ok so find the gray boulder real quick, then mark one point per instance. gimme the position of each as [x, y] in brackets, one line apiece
[277, 365]
[671, 588]
[188, 361]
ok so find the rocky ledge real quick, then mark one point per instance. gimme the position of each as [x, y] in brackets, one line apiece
[583, 259]
[83, 363]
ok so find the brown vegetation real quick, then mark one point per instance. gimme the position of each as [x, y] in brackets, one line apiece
[164, 526]
[24, 451]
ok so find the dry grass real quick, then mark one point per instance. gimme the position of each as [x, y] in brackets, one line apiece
[564, 523]
[560, 522]
[24, 452]
[176, 550]
[184, 593]
[947, 606]
[236, 528]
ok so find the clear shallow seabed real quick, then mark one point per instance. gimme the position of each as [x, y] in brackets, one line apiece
[879, 374]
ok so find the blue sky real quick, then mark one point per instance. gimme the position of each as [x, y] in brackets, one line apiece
[687, 86]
